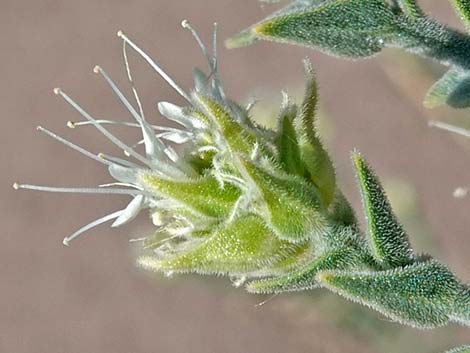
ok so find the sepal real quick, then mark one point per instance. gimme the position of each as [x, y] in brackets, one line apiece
[244, 247]
[388, 240]
[203, 195]
[290, 205]
[314, 156]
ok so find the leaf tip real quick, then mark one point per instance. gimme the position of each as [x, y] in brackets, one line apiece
[242, 39]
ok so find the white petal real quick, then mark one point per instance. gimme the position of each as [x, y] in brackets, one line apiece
[176, 114]
[130, 212]
[123, 174]
[200, 81]
[178, 137]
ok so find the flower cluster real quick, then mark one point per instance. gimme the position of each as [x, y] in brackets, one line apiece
[260, 205]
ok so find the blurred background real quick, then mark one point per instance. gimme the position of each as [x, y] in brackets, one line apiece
[90, 297]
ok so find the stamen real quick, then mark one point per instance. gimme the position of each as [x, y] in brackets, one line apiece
[17, 186]
[155, 66]
[73, 146]
[186, 25]
[131, 80]
[105, 132]
[122, 98]
[153, 146]
[119, 161]
[91, 225]
[74, 124]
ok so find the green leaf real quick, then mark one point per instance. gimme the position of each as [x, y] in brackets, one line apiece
[242, 247]
[389, 242]
[314, 156]
[305, 278]
[462, 7]
[290, 205]
[351, 28]
[203, 195]
[452, 89]
[421, 295]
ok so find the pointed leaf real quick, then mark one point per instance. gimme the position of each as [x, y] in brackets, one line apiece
[244, 246]
[352, 28]
[452, 89]
[389, 242]
[421, 295]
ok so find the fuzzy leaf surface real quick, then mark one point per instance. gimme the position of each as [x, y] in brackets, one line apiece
[388, 240]
[352, 28]
[292, 205]
[421, 295]
[452, 89]
[305, 278]
[462, 7]
[246, 245]
[314, 156]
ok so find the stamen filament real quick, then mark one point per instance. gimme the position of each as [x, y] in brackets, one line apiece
[119, 161]
[118, 92]
[74, 124]
[131, 80]
[17, 186]
[186, 25]
[73, 146]
[105, 132]
[155, 66]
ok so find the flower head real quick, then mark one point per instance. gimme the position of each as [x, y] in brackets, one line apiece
[234, 198]
[260, 205]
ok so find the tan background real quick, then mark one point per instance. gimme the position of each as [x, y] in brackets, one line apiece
[90, 298]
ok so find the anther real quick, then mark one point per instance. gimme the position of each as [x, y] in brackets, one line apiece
[16, 186]
[70, 124]
[57, 91]
[185, 24]
[97, 69]
[120, 34]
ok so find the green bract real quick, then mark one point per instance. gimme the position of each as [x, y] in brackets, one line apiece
[262, 206]
[362, 28]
